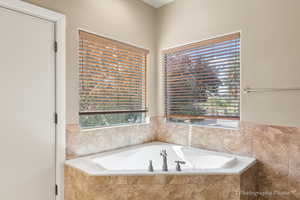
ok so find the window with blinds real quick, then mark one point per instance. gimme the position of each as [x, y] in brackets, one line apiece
[112, 80]
[202, 82]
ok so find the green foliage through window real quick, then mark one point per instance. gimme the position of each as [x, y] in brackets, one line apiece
[100, 120]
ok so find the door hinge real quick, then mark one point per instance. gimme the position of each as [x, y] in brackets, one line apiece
[55, 118]
[55, 46]
[56, 190]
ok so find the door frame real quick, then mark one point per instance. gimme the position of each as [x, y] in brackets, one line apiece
[60, 31]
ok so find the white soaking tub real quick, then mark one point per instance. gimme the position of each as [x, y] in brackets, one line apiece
[135, 161]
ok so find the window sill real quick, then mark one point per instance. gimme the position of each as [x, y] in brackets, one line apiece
[82, 130]
[217, 126]
[237, 128]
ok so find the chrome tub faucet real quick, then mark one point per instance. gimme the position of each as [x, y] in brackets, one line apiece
[178, 167]
[164, 154]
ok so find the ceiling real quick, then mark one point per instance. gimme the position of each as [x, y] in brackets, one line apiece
[157, 3]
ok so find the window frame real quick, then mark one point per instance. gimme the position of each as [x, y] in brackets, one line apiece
[144, 111]
[189, 118]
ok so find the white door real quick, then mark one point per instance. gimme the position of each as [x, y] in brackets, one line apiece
[27, 107]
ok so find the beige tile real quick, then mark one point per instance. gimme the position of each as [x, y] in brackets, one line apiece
[294, 149]
[87, 142]
[238, 143]
[147, 180]
[271, 145]
[76, 184]
[146, 192]
[217, 192]
[174, 192]
[278, 149]
[248, 184]
[282, 129]
[208, 138]
[79, 186]
[195, 192]
[141, 134]
[99, 181]
[155, 122]
[205, 194]
[173, 133]
[177, 179]
[72, 141]
[110, 192]
[72, 128]
[273, 179]
[294, 183]
[213, 187]
[206, 180]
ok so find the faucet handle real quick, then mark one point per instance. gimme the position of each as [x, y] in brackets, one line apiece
[178, 167]
[180, 162]
[163, 152]
[150, 168]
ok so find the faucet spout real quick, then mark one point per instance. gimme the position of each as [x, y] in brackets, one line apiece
[164, 154]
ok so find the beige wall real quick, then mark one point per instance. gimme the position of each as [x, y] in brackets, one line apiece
[270, 48]
[129, 21]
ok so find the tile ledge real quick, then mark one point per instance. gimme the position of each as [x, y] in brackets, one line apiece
[205, 126]
[82, 130]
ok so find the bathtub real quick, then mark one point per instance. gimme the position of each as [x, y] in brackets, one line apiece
[135, 161]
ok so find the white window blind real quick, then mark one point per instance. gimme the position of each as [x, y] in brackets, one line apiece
[112, 76]
[202, 80]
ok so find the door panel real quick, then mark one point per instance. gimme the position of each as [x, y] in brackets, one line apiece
[27, 106]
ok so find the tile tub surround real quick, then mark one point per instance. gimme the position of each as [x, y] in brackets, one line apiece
[86, 142]
[277, 149]
[80, 185]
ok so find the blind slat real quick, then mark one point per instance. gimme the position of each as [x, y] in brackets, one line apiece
[180, 116]
[110, 58]
[85, 36]
[112, 90]
[105, 67]
[217, 63]
[109, 54]
[222, 52]
[100, 73]
[87, 59]
[203, 79]
[204, 44]
[112, 75]
[216, 46]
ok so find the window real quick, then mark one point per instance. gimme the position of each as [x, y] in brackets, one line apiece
[202, 82]
[112, 82]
